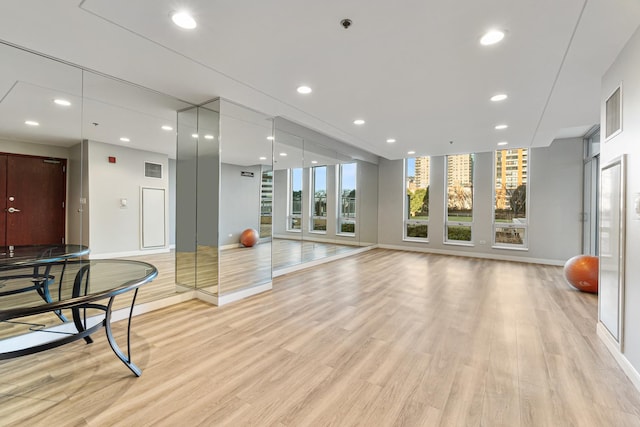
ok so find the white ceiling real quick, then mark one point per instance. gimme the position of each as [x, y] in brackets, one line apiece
[413, 69]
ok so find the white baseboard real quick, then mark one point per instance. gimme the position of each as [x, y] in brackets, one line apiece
[230, 246]
[233, 296]
[124, 254]
[474, 255]
[613, 348]
[244, 293]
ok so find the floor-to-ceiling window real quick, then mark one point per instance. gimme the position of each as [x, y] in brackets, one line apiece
[510, 207]
[319, 199]
[295, 200]
[459, 186]
[416, 205]
[347, 198]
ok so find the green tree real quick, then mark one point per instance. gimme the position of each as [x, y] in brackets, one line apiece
[425, 202]
[416, 201]
[518, 201]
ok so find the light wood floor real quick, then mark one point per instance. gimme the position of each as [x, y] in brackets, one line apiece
[378, 339]
[239, 268]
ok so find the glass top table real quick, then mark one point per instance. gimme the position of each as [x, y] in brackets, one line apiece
[12, 257]
[87, 291]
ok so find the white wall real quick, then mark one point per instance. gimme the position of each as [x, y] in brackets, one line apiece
[555, 204]
[239, 202]
[114, 230]
[625, 70]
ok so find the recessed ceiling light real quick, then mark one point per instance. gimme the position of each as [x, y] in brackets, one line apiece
[208, 136]
[315, 162]
[499, 97]
[194, 135]
[503, 143]
[270, 138]
[283, 154]
[263, 158]
[31, 123]
[125, 139]
[500, 127]
[167, 128]
[411, 152]
[358, 122]
[491, 37]
[184, 20]
[62, 102]
[305, 90]
[391, 140]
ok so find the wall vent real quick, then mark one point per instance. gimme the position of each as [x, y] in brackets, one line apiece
[613, 114]
[152, 170]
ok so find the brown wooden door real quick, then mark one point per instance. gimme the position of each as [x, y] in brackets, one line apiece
[3, 200]
[35, 200]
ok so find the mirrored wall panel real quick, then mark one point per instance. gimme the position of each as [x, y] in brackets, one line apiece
[40, 150]
[288, 192]
[245, 194]
[99, 155]
[325, 197]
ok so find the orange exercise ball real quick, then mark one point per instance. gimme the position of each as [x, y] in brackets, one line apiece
[249, 237]
[581, 272]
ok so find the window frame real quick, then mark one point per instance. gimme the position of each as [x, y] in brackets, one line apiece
[406, 206]
[524, 246]
[448, 223]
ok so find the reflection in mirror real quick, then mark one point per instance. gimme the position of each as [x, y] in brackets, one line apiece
[266, 199]
[186, 197]
[325, 204]
[319, 234]
[246, 185]
[208, 195]
[129, 137]
[288, 196]
[41, 166]
[118, 143]
[40, 135]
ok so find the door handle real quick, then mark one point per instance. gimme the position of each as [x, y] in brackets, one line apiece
[12, 210]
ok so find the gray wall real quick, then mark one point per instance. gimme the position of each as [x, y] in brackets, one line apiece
[240, 207]
[555, 187]
[367, 203]
[625, 70]
[75, 210]
[172, 202]
[279, 215]
[112, 228]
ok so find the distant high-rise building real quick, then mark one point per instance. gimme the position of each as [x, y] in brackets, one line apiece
[460, 170]
[511, 172]
[422, 172]
[511, 168]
